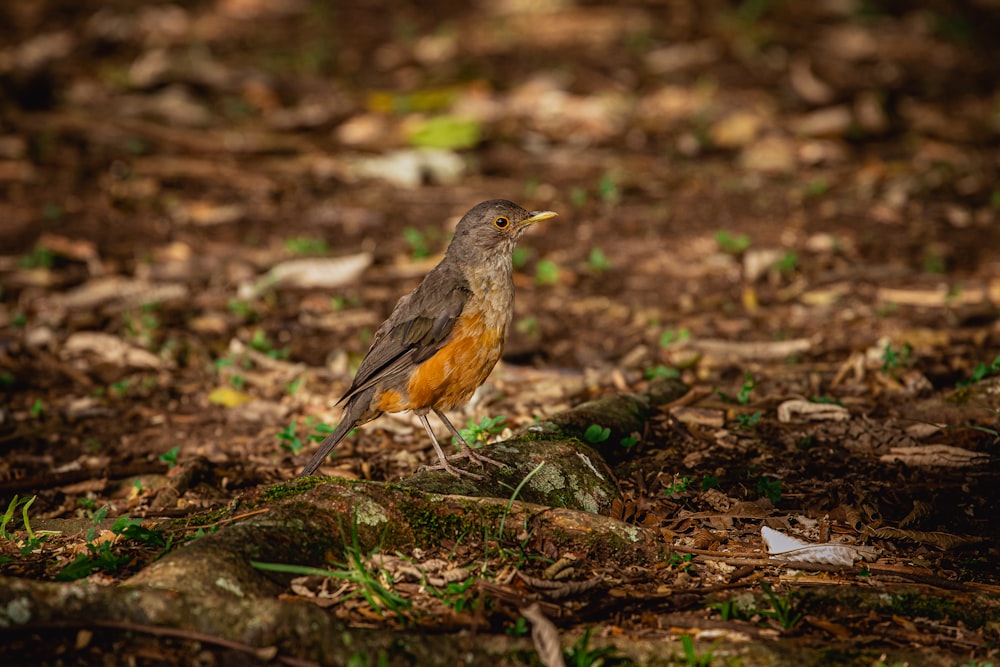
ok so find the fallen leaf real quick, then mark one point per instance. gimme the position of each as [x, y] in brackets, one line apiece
[784, 547]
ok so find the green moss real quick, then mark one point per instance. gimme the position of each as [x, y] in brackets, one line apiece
[911, 605]
[201, 519]
[429, 526]
[291, 488]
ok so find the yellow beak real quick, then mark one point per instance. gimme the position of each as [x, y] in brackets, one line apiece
[538, 216]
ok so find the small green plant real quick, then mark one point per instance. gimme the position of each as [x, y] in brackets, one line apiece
[743, 396]
[581, 655]
[661, 371]
[728, 609]
[477, 435]
[546, 272]
[607, 189]
[120, 388]
[320, 430]
[670, 336]
[133, 529]
[981, 372]
[417, 240]
[455, 595]
[817, 187]
[748, 422]
[304, 245]
[597, 261]
[934, 262]
[886, 309]
[895, 357]
[682, 562]
[770, 488]
[732, 244]
[243, 309]
[596, 434]
[513, 497]
[260, 342]
[37, 409]
[40, 257]
[783, 610]
[709, 482]
[529, 326]
[520, 627]
[788, 263]
[223, 362]
[34, 541]
[170, 456]
[88, 505]
[520, 257]
[691, 656]
[374, 585]
[101, 555]
[578, 197]
[677, 486]
[290, 439]
[628, 442]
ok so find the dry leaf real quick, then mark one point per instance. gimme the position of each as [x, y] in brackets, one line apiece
[545, 637]
[943, 541]
[761, 350]
[317, 272]
[944, 456]
[783, 547]
[810, 411]
[90, 348]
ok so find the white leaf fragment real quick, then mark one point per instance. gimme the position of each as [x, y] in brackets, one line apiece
[786, 548]
[802, 409]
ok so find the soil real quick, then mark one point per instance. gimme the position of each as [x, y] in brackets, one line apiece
[772, 202]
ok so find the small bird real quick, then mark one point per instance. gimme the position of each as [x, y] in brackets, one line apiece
[441, 340]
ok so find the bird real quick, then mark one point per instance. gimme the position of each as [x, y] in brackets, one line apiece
[442, 340]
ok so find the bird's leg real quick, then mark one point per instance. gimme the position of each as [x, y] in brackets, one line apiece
[443, 465]
[467, 451]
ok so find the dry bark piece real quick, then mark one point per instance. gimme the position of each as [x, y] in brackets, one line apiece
[710, 417]
[762, 350]
[939, 539]
[545, 636]
[316, 272]
[89, 349]
[935, 455]
[799, 408]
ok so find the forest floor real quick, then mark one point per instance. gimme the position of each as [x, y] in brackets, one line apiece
[207, 208]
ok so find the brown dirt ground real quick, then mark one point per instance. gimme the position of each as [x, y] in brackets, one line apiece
[725, 173]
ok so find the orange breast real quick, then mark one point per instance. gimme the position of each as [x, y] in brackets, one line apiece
[451, 376]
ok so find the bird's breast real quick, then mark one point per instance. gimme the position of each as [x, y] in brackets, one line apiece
[450, 377]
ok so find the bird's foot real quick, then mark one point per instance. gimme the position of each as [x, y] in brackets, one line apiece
[449, 468]
[481, 459]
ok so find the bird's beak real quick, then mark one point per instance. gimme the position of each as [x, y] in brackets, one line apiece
[537, 216]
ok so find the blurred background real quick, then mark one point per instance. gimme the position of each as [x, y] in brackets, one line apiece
[196, 179]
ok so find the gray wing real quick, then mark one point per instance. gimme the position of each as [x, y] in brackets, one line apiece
[417, 328]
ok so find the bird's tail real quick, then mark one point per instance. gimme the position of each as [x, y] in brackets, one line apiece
[351, 418]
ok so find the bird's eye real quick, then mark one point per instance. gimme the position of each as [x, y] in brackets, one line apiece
[501, 222]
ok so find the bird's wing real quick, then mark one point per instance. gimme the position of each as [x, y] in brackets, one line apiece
[416, 329]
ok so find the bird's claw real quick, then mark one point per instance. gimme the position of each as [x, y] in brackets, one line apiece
[481, 459]
[447, 467]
